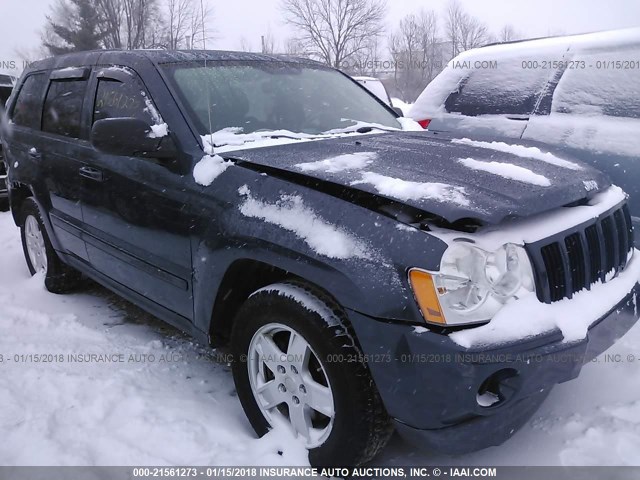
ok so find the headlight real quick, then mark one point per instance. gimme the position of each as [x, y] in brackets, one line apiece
[472, 284]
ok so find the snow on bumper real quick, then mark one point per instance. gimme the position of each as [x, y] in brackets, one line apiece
[528, 317]
[432, 386]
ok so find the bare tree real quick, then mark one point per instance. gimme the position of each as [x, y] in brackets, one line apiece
[335, 30]
[245, 45]
[294, 47]
[430, 47]
[141, 17]
[508, 34]
[187, 24]
[416, 52]
[177, 17]
[367, 60]
[464, 31]
[112, 14]
[268, 43]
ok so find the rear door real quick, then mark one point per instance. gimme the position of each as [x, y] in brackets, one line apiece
[20, 148]
[595, 116]
[63, 147]
[135, 209]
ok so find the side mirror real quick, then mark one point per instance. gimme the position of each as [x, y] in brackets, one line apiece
[398, 110]
[130, 137]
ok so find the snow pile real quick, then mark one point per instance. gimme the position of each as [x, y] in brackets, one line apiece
[293, 215]
[521, 151]
[350, 161]
[406, 190]
[209, 168]
[507, 170]
[159, 131]
[166, 403]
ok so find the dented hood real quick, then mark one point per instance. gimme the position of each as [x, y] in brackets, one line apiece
[439, 175]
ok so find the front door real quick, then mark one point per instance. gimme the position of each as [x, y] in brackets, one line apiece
[134, 208]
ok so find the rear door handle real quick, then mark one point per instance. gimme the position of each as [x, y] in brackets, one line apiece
[91, 173]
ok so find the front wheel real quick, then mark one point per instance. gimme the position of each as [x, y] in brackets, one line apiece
[39, 253]
[297, 365]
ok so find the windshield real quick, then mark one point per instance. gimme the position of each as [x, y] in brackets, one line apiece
[270, 96]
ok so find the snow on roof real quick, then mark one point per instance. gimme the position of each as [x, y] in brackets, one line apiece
[508, 58]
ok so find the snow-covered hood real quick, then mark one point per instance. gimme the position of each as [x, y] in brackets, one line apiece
[453, 178]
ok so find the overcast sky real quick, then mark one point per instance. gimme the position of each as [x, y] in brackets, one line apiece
[22, 20]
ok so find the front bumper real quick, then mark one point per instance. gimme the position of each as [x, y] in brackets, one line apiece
[429, 384]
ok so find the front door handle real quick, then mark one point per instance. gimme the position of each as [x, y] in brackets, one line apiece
[34, 153]
[92, 174]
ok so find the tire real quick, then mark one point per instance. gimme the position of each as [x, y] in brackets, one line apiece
[58, 277]
[4, 204]
[359, 427]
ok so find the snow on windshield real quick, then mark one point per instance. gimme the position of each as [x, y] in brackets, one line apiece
[231, 139]
[507, 170]
[521, 151]
[293, 215]
[350, 161]
[406, 190]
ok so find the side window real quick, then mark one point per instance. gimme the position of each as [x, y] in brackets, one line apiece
[500, 88]
[63, 107]
[116, 99]
[607, 86]
[27, 108]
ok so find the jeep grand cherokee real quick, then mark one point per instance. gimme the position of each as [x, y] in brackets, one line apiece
[366, 277]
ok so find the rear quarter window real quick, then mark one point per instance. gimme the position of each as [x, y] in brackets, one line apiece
[27, 108]
[608, 85]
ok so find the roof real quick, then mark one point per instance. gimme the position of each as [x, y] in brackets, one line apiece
[161, 57]
[539, 47]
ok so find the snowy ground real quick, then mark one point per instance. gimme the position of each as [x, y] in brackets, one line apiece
[184, 410]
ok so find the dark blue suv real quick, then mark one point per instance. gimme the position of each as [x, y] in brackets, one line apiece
[365, 274]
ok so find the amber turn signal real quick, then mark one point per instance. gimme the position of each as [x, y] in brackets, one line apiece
[426, 296]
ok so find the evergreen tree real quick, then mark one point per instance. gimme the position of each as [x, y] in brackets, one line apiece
[78, 33]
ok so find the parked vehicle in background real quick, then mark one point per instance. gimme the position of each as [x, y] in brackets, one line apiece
[375, 86]
[364, 278]
[580, 93]
[6, 87]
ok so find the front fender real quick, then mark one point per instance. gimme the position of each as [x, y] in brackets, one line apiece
[357, 255]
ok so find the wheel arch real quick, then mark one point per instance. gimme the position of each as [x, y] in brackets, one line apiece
[242, 278]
